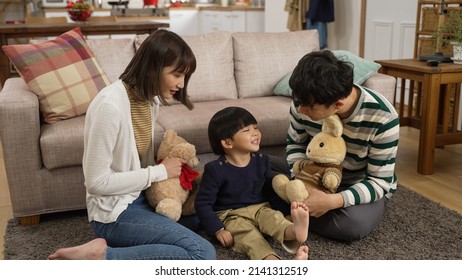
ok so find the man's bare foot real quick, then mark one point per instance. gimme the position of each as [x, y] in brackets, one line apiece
[93, 250]
[300, 215]
[302, 253]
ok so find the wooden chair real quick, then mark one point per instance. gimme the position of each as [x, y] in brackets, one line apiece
[32, 20]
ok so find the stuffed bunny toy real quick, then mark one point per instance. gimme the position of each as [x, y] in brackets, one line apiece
[323, 167]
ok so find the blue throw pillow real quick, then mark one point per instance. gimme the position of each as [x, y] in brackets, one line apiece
[283, 88]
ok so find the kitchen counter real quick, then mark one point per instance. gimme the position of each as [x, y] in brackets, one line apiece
[11, 31]
[126, 15]
[220, 8]
[53, 10]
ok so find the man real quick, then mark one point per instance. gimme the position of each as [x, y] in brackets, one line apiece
[322, 86]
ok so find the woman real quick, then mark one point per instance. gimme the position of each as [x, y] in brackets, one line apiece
[118, 161]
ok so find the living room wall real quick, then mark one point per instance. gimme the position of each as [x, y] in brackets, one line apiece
[343, 33]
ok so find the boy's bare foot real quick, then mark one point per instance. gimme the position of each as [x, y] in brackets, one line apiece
[300, 215]
[302, 253]
[271, 258]
[93, 250]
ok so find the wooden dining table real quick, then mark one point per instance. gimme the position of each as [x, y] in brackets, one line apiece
[22, 30]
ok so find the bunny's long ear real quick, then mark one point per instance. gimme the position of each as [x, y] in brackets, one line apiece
[333, 125]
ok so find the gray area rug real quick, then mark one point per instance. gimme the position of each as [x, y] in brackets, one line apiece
[413, 228]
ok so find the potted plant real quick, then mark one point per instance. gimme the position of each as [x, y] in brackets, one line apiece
[452, 32]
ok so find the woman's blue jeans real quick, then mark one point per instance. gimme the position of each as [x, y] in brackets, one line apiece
[141, 234]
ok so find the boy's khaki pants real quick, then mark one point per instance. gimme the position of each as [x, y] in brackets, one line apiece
[248, 224]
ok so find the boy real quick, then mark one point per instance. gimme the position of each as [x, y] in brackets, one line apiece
[232, 203]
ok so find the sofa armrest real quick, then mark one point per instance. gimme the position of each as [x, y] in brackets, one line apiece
[384, 84]
[19, 134]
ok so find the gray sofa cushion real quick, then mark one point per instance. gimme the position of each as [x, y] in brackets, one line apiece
[61, 143]
[271, 112]
[113, 55]
[214, 76]
[259, 67]
[384, 84]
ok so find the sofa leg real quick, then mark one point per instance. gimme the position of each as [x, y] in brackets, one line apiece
[29, 220]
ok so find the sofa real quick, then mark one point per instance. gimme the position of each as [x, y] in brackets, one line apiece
[43, 161]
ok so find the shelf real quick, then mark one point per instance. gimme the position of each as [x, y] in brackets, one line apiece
[435, 2]
[429, 18]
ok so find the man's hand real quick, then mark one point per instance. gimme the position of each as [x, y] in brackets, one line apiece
[320, 202]
[225, 237]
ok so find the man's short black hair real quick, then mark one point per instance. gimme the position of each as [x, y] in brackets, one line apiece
[321, 78]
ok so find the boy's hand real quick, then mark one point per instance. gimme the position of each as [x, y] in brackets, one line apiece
[225, 237]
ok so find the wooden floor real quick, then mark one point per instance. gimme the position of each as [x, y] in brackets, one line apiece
[444, 186]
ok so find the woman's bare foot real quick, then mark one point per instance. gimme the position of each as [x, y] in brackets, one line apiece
[302, 253]
[300, 215]
[93, 250]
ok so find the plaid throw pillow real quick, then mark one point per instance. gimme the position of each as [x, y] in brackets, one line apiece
[63, 73]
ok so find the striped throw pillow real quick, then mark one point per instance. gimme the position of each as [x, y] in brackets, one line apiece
[62, 72]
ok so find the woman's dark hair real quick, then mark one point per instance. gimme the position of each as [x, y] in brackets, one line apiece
[321, 78]
[225, 124]
[161, 49]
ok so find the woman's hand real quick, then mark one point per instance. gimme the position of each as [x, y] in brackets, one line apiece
[173, 166]
[320, 202]
[225, 237]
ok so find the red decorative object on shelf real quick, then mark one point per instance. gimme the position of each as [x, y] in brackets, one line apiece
[150, 2]
[79, 10]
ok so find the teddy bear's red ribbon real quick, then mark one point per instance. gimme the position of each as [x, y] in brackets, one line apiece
[187, 175]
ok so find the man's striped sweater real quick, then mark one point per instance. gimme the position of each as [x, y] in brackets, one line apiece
[371, 134]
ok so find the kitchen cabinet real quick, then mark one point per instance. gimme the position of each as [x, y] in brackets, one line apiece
[255, 21]
[184, 21]
[212, 21]
[216, 19]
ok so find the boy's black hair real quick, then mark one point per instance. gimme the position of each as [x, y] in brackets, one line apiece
[321, 78]
[225, 124]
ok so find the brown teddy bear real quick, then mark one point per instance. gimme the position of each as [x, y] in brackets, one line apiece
[323, 167]
[167, 197]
